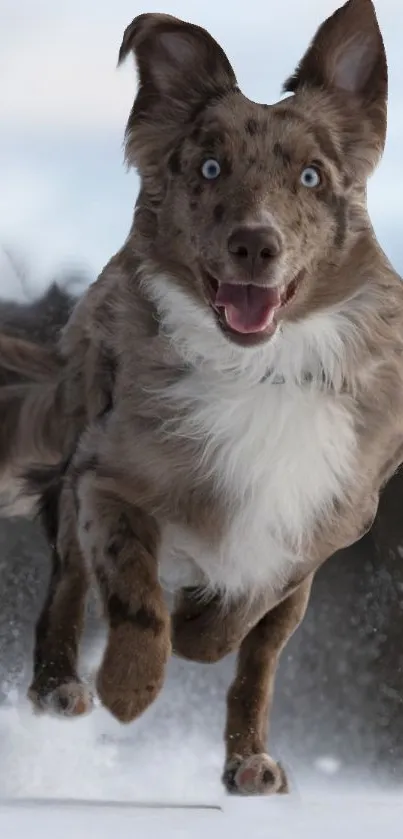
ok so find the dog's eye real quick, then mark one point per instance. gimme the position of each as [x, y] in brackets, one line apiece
[210, 169]
[310, 177]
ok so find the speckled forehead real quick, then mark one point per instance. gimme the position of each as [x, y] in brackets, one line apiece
[238, 125]
[235, 118]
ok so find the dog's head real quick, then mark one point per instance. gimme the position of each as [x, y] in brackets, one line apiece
[251, 207]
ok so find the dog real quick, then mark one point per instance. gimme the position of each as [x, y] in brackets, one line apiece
[228, 401]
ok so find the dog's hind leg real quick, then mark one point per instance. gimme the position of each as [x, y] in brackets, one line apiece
[56, 687]
[248, 768]
[206, 632]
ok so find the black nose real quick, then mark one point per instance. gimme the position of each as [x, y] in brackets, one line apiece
[254, 247]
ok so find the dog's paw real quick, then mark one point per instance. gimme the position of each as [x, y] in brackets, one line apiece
[126, 703]
[132, 672]
[71, 699]
[254, 775]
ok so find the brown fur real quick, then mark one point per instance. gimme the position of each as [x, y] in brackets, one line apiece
[124, 467]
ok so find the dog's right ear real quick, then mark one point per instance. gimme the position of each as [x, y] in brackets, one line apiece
[180, 67]
[347, 56]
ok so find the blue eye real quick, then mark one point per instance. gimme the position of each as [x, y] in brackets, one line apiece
[310, 177]
[210, 169]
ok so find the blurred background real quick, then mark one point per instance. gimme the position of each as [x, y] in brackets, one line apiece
[65, 206]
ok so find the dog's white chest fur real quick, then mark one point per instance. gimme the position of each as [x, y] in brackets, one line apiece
[279, 454]
[282, 452]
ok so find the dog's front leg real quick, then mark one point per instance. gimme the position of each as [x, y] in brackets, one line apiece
[120, 542]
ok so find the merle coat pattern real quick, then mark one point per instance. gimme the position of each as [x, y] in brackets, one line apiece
[228, 399]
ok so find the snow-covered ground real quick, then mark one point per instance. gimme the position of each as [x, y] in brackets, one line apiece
[273, 819]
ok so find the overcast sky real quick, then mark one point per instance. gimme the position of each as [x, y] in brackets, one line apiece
[65, 196]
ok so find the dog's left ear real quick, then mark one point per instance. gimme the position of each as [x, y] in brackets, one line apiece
[180, 66]
[347, 56]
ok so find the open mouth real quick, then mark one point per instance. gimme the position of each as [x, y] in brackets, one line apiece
[249, 309]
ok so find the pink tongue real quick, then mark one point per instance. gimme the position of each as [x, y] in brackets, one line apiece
[248, 308]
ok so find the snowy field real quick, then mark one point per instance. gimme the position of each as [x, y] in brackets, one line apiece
[65, 200]
[333, 818]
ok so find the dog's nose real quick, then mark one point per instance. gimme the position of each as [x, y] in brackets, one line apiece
[254, 247]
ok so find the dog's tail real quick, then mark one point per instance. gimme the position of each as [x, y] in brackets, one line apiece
[33, 430]
[33, 418]
[29, 333]
[24, 361]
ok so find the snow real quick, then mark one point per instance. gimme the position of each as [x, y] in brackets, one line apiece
[263, 819]
[328, 764]
[65, 778]
[96, 758]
